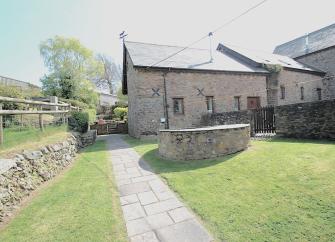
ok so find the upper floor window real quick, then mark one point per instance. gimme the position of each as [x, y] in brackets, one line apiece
[178, 105]
[302, 93]
[210, 104]
[318, 90]
[282, 92]
[237, 103]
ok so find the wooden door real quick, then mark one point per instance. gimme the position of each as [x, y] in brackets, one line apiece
[253, 102]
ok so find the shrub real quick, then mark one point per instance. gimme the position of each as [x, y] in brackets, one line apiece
[78, 121]
[75, 103]
[92, 115]
[120, 112]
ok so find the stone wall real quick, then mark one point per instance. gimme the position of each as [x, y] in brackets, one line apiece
[146, 107]
[235, 117]
[324, 60]
[20, 175]
[315, 120]
[203, 143]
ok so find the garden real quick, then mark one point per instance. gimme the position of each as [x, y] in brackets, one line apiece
[277, 190]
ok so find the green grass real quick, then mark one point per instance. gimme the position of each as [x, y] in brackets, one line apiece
[16, 139]
[280, 190]
[82, 205]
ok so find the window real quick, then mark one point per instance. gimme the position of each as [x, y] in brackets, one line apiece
[237, 104]
[282, 92]
[178, 105]
[302, 93]
[210, 104]
[318, 90]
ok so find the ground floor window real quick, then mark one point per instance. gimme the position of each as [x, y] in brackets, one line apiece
[302, 93]
[282, 92]
[210, 104]
[178, 105]
[318, 90]
[237, 103]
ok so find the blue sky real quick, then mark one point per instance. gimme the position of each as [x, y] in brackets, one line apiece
[25, 23]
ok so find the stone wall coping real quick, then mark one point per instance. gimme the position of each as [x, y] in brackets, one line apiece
[218, 127]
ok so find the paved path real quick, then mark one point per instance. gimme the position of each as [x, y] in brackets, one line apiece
[152, 212]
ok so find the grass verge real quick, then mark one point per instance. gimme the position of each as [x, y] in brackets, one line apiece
[280, 190]
[30, 138]
[82, 205]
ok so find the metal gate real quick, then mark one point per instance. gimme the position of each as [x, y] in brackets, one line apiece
[264, 120]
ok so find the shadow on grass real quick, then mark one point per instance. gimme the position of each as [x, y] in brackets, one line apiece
[300, 141]
[162, 165]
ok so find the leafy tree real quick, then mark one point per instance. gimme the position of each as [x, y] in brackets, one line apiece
[71, 68]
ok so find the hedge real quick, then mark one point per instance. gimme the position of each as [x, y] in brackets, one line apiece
[78, 121]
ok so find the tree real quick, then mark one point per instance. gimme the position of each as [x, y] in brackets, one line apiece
[111, 74]
[71, 67]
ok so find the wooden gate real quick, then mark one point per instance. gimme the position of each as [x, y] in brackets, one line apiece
[264, 120]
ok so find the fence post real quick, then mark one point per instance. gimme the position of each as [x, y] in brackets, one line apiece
[40, 120]
[1, 127]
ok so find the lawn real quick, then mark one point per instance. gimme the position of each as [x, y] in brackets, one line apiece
[279, 190]
[28, 138]
[81, 205]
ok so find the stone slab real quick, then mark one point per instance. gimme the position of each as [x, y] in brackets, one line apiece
[134, 188]
[162, 206]
[187, 231]
[147, 197]
[180, 214]
[128, 199]
[133, 211]
[145, 237]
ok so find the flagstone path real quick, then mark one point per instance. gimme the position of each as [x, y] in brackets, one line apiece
[152, 212]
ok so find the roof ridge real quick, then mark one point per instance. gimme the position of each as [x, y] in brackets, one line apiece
[309, 33]
[146, 43]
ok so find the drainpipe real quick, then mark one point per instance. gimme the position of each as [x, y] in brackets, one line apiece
[166, 113]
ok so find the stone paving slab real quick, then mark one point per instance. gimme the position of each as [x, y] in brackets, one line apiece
[151, 210]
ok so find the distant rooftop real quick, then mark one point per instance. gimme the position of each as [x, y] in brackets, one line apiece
[11, 81]
[255, 57]
[145, 55]
[309, 43]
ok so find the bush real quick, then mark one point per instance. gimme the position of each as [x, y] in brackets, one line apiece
[92, 115]
[78, 121]
[75, 103]
[120, 112]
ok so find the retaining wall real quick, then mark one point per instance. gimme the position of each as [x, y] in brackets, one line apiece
[202, 143]
[20, 175]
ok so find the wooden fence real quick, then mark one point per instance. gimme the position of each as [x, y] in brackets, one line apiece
[34, 107]
[264, 120]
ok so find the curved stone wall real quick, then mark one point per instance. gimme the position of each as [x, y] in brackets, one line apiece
[202, 143]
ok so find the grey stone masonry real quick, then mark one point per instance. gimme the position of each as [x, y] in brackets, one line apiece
[151, 211]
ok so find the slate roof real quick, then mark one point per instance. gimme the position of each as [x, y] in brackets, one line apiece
[317, 40]
[257, 58]
[144, 55]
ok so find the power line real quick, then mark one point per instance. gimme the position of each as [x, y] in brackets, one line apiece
[210, 33]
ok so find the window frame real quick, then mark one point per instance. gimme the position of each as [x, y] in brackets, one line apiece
[238, 98]
[210, 98]
[282, 92]
[302, 93]
[319, 93]
[182, 105]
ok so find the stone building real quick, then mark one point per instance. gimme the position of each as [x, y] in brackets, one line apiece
[176, 92]
[316, 49]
